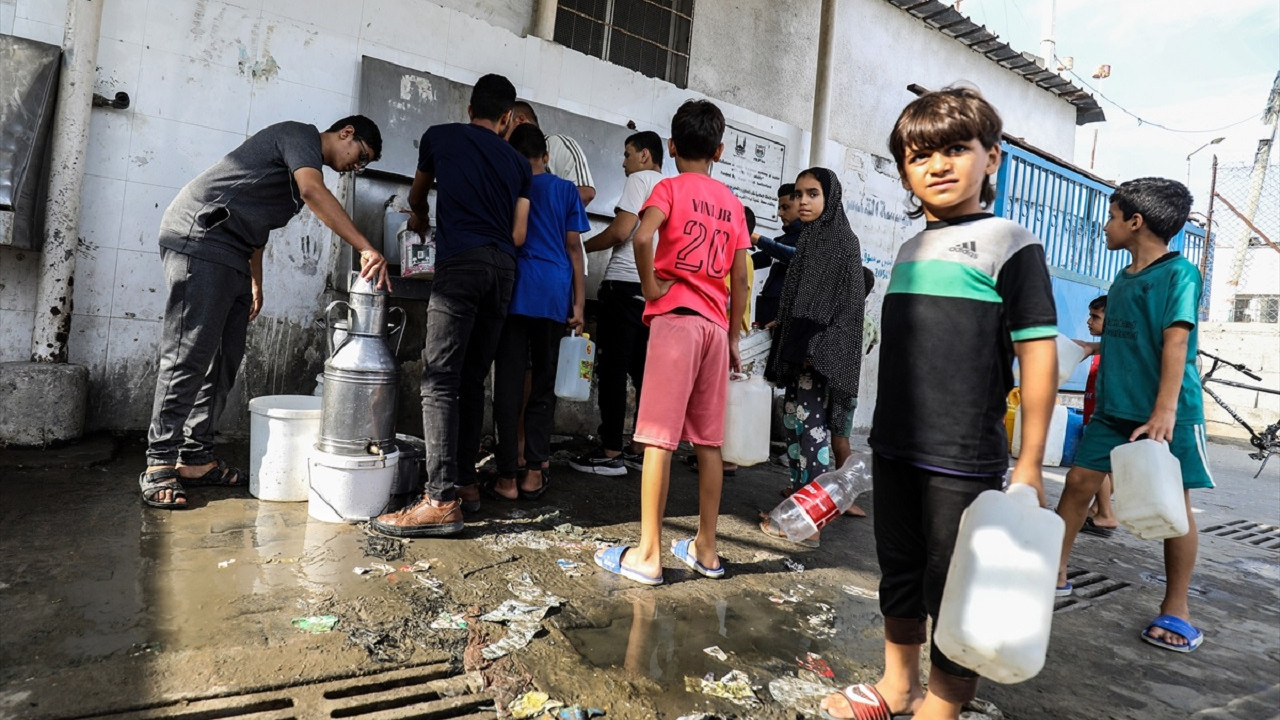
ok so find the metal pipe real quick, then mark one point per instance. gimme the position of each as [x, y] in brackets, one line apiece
[544, 19]
[822, 84]
[66, 181]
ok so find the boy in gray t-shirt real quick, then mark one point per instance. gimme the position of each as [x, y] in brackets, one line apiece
[211, 242]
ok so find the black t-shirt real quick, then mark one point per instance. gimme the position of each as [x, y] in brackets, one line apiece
[479, 177]
[227, 211]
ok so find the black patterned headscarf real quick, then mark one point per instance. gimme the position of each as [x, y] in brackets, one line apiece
[820, 312]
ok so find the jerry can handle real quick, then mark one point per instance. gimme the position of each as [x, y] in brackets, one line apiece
[398, 329]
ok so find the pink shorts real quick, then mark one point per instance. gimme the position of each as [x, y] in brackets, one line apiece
[686, 379]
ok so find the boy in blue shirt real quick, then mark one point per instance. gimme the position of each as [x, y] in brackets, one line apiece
[550, 292]
[1147, 383]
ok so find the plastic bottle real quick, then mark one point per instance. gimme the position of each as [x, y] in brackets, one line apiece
[811, 507]
[574, 367]
[997, 606]
[1070, 354]
[746, 420]
[1149, 499]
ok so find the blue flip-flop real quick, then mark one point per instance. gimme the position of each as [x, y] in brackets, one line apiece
[1177, 625]
[683, 550]
[610, 559]
[1063, 591]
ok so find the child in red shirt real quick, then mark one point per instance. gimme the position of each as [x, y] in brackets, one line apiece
[692, 345]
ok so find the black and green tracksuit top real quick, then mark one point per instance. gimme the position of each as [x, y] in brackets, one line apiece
[960, 294]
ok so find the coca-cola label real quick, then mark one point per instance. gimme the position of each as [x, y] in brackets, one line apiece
[816, 503]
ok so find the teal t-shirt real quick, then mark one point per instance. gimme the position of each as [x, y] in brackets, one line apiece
[1140, 306]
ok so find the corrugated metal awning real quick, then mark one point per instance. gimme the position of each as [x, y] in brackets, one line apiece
[948, 21]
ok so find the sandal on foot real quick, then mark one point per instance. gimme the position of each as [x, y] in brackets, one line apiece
[683, 550]
[221, 474]
[767, 528]
[489, 489]
[610, 559]
[154, 482]
[470, 499]
[1092, 528]
[535, 494]
[865, 702]
[1176, 625]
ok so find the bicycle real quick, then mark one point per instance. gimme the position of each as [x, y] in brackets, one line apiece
[1267, 443]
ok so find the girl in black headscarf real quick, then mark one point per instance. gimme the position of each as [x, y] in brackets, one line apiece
[817, 342]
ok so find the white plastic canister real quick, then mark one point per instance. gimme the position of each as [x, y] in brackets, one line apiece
[1070, 354]
[574, 367]
[282, 431]
[349, 488]
[746, 420]
[997, 606]
[1149, 498]
[1054, 441]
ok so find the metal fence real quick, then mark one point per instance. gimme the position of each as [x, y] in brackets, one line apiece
[1245, 255]
[1067, 211]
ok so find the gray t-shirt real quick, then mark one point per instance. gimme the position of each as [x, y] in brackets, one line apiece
[226, 212]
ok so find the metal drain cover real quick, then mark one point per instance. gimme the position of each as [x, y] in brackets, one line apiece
[425, 692]
[1247, 532]
[1087, 587]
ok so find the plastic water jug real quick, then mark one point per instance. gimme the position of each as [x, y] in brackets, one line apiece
[997, 606]
[1054, 442]
[1148, 496]
[574, 367]
[1075, 432]
[746, 420]
[1070, 354]
[824, 499]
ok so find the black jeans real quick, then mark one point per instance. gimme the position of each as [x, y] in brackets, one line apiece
[536, 340]
[206, 318]
[469, 299]
[622, 341]
[917, 515]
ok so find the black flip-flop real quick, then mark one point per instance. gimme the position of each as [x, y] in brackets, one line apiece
[489, 489]
[535, 494]
[221, 475]
[154, 482]
[691, 461]
[1094, 529]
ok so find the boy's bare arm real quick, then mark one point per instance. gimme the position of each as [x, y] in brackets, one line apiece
[650, 286]
[311, 187]
[737, 305]
[1173, 363]
[573, 244]
[1038, 360]
[255, 277]
[520, 223]
[616, 234]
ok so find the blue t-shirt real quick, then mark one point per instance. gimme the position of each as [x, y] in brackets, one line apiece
[478, 179]
[1140, 307]
[544, 275]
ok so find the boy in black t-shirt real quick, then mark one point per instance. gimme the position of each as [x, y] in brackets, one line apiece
[966, 295]
[482, 211]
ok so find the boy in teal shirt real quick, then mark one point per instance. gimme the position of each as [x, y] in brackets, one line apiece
[1147, 383]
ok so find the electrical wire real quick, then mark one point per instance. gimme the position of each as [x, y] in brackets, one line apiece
[1143, 121]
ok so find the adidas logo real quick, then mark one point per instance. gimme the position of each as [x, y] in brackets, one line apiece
[967, 248]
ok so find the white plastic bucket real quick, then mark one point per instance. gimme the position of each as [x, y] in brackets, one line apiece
[349, 488]
[282, 431]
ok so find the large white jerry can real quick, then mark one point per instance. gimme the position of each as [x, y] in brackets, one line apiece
[997, 607]
[747, 411]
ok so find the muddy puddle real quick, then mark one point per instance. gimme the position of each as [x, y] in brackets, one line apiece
[659, 643]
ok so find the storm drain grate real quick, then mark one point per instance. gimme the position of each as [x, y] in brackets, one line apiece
[1088, 586]
[425, 692]
[1247, 532]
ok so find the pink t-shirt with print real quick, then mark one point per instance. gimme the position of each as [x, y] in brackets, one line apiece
[705, 226]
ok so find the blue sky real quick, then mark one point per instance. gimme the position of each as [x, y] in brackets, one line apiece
[1197, 65]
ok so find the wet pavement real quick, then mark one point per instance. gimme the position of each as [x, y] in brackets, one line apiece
[109, 606]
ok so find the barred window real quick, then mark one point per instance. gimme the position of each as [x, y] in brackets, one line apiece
[648, 36]
[1256, 308]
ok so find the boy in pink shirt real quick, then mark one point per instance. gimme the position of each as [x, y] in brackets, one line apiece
[692, 346]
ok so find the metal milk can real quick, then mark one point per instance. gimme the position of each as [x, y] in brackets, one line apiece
[359, 398]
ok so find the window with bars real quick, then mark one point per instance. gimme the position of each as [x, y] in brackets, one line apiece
[648, 36]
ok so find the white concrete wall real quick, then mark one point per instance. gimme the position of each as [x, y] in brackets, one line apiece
[204, 74]
[1257, 346]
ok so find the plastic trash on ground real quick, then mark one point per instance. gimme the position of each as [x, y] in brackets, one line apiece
[735, 687]
[531, 704]
[799, 694]
[715, 652]
[814, 663]
[569, 567]
[855, 591]
[449, 621]
[315, 623]
[519, 633]
[577, 712]
[522, 587]
[514, 611]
